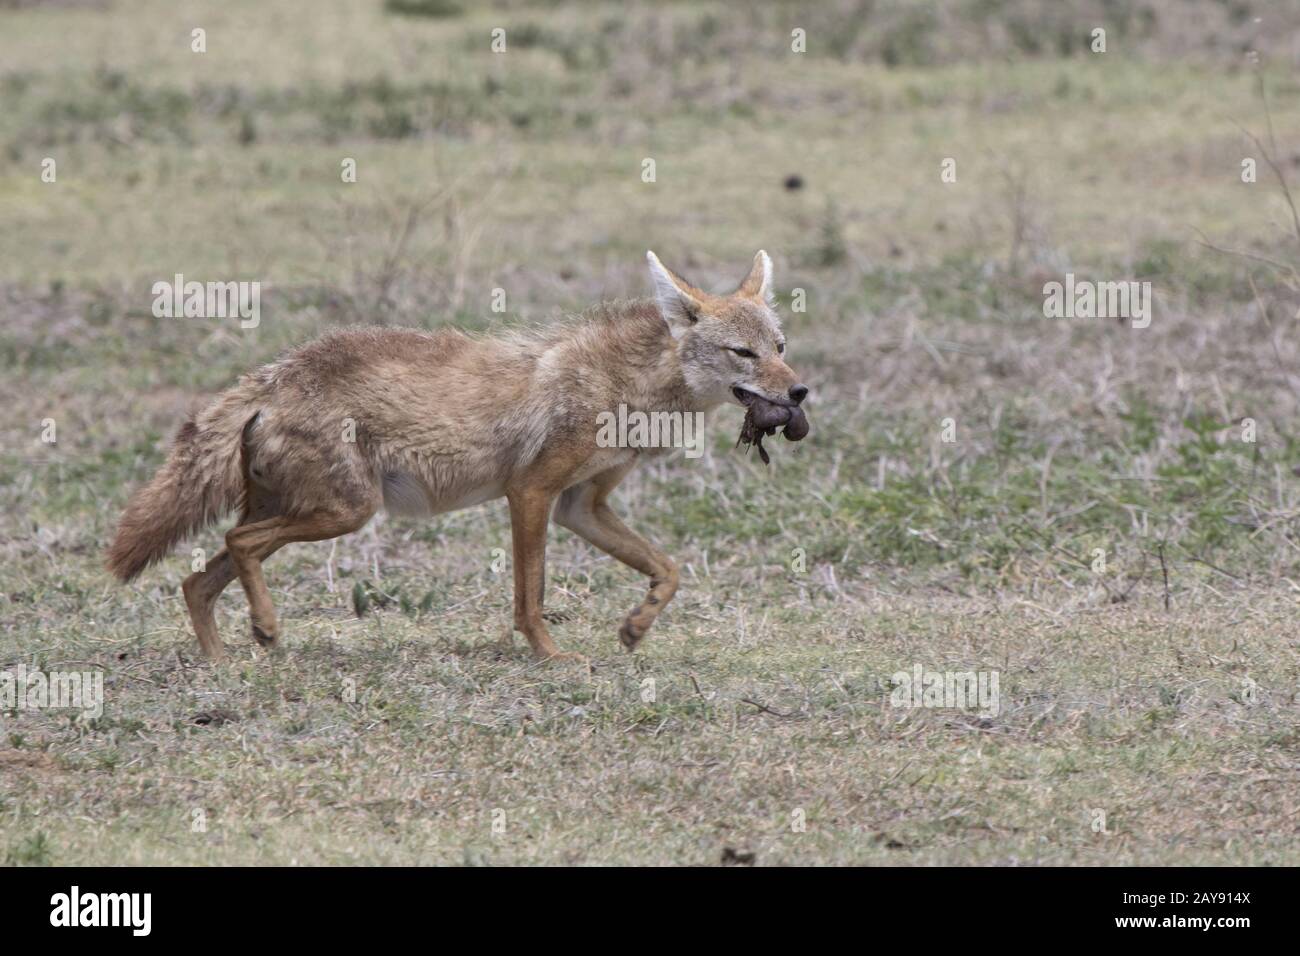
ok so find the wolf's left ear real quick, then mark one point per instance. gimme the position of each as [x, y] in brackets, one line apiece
[758, 284]
[678, 301]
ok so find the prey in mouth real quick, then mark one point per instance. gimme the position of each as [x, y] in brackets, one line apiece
[763, 416]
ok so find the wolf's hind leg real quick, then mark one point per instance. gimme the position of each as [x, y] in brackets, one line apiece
[201, 590]
[251, 544]
[583, 511]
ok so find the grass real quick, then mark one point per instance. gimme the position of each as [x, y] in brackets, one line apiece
[1130, 712]
[1157, 686]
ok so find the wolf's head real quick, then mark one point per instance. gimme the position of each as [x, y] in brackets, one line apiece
[731, 346]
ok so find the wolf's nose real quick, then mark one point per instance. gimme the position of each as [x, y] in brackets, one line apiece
[798, 393]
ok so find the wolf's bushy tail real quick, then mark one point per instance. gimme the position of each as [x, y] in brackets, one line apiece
[200, 482]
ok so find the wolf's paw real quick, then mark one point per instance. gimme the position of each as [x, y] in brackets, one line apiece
[264, 638]
[629, 635]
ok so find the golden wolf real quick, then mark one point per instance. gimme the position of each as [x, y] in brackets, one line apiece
[311, 446]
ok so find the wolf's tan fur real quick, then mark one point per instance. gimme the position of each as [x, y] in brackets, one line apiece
[443, 421]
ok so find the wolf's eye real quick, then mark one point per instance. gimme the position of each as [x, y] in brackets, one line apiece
[780, 348]
[743, 353]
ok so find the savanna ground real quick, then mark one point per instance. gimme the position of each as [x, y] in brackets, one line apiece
[1157, 686]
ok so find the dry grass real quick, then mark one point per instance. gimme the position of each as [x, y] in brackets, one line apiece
[757, 715]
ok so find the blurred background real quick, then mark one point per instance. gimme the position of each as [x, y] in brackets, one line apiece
[817, 132]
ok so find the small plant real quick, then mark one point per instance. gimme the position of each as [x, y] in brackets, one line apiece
[247, 135]
[831, 249]
[366, 596]
[424, 8]
[33, 850]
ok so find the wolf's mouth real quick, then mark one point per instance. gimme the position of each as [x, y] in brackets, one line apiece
[747, 397]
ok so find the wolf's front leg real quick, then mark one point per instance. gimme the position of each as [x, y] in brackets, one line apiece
[530, 513]
[583, 511]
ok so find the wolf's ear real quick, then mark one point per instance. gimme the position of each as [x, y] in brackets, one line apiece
[679, 303]
[758, 284]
